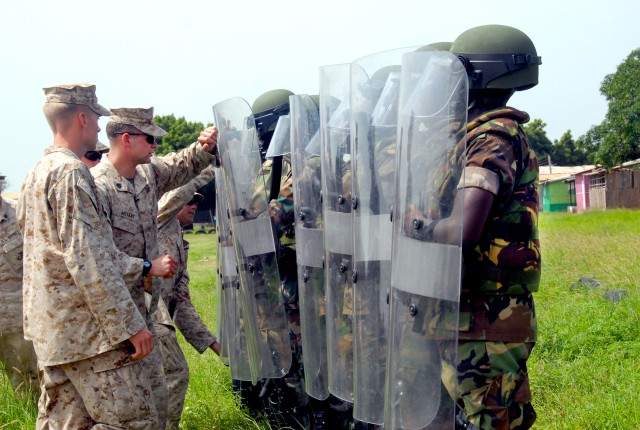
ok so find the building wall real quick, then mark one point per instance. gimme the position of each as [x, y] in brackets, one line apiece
[556, 197]
[582, 192]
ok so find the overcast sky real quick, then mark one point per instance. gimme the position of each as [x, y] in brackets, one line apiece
[183, 57]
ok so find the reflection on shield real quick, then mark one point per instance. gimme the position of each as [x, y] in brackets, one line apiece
[374, 99]
[426, 275]
[309, 243]
[232, 325]
[254, 241]
[337, 217]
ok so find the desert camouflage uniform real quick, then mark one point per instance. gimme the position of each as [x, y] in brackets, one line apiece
[175, 303]
[132, 208]
[17, 356]
[497, 327]
[280, 209]
[77, 310]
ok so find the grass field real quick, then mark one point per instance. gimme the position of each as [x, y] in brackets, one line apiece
[584, 371]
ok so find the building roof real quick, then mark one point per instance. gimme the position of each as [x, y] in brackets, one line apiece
[557, 173]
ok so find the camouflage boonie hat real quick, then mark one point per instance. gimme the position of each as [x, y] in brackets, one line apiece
[140, 118]
[78, 94]
[102, 148]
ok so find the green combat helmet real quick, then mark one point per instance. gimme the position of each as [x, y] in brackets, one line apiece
[437, 46]
[498, 57]
[267, 109]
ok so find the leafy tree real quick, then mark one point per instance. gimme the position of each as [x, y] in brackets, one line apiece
[565, 152]
[181, 133]
[538, 139]
[617, 138]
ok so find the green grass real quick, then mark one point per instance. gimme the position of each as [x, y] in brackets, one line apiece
[584, 370]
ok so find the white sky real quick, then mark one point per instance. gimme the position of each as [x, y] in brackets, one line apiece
[182, 57]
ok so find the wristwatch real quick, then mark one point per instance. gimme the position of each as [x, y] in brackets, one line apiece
[146, 267]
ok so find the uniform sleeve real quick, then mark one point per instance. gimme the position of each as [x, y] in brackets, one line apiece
[281, 208]
[83, 234]
[490, 165]
[173, 201]
[187, 318]
[176, 169]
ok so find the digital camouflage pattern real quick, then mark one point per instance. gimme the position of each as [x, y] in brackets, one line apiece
[132, 208]
[85, 394]
[76, 304]
[17, 355]
[175, 292]
[10, 269]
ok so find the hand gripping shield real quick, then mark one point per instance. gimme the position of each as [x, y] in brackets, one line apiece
[375, 92]
[305, 124]
[426, 275]
[269, 344]
[337, 216]
[233, 325]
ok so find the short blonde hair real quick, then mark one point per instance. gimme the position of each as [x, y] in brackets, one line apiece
[59, 113]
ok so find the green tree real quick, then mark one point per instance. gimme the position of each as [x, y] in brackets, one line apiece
[181, 133]
[565, 152]
[538, 139]
[617, 138]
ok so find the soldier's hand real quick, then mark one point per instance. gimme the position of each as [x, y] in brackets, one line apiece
[209, 139]
[164, 266]
[215, 347]
[143, 344]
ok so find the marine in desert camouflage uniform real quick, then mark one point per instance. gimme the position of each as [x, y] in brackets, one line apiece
[86, 329]
[175, 309]
[131, 181]
[17, 356]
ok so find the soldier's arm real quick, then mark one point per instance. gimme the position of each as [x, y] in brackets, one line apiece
[172, 202]
[176, 169]
[83, 233]
[188, 319]
[489, 177]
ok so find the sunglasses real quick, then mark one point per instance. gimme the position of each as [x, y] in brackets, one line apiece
[150, 139]
[93, 155]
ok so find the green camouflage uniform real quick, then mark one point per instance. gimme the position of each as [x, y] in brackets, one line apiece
[497, 325]
[280, 209]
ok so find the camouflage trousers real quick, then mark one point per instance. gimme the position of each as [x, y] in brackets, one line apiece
[18, 358]
[155, 374]
[176, 372]
[492, 383]
[108, 391]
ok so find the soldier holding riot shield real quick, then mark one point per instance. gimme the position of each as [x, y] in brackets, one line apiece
[374, 102]
[254, 242]
[425, 279]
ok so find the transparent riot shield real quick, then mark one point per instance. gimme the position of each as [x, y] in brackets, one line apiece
[281, 141]
[269, 345]
[307, 189]
[233, 326]
[375, 85]
[426, 274]
[337, 216]
[221, 327]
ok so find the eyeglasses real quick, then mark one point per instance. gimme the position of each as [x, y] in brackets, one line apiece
[93, 155]
[150, 139]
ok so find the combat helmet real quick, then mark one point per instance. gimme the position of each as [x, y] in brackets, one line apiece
[498, 57]
[267, 109]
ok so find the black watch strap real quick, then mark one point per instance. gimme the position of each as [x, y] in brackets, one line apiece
[146, 267]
